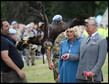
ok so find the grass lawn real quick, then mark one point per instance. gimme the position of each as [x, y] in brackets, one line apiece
[40, 73]
[105, 70]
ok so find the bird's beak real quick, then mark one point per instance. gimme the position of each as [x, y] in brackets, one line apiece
[25, 42]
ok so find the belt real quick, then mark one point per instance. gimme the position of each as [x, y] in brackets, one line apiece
[55, 56]
[6, 71]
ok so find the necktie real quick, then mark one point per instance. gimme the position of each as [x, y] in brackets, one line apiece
[89, 39]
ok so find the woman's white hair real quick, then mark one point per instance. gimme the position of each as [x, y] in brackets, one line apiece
[76, 31]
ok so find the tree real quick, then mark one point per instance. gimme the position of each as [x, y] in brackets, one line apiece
[16, 10]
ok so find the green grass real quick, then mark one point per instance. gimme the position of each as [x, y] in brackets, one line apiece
[40, 73]
[105, 70]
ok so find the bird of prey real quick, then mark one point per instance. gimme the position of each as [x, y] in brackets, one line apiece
[36, 8]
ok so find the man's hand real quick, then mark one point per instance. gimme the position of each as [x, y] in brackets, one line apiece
[58, 77]
[21, 74]
[64, 56]
[50, 66]
[90, 74]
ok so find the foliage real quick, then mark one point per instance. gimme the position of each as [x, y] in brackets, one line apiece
[16, 10]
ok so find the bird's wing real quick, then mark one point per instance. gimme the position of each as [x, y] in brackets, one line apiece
[36, 8]
[78, 21]
[35, 40]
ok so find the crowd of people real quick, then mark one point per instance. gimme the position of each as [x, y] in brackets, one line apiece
[22, 32]
[78, 49]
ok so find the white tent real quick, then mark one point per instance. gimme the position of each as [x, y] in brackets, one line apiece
[104, 20]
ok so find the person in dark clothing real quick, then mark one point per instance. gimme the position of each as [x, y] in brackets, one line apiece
[11, 61]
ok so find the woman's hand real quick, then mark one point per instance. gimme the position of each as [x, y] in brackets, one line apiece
[64, 56]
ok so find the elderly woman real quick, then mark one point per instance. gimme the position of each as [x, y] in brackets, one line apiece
[67, 69]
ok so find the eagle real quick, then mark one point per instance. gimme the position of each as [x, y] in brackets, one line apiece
[36, 8]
